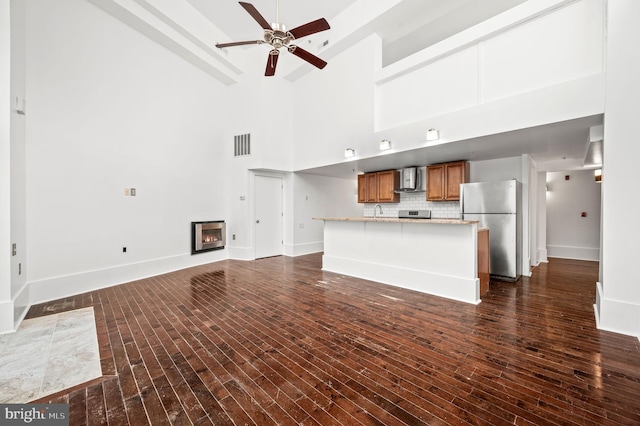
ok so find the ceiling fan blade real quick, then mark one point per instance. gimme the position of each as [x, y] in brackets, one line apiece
[256, 15]
[272, 61]
[309, 57]
[310, 28]
[238, 43]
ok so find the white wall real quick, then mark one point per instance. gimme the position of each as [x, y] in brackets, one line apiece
[470, 85]
[556, 47]
[319, 196]
[569, 235]
[541, 238]
[447, 85]
[6, 304]
[494, 170]
[108, 110]
[261, 107]
[19, 263]
[619, 294]
[334, 109]
[14, 292]
[544, 51]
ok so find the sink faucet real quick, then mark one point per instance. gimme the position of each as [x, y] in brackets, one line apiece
[375, 208]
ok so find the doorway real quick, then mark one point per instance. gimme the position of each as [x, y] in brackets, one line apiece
[268, 216]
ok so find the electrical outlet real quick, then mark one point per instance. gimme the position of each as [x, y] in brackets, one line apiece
[233, 237]
[19, 268]
[124, 249]
[133, 192]
[127, 192]
[14, 249]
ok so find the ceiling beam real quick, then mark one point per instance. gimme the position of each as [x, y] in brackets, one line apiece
[180, 28]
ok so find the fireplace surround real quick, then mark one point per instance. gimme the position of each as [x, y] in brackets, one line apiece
[207, 236]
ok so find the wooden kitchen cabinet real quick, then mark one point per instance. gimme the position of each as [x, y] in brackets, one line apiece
[443, 180]
[483, 259]
[388, 181]
[372, 188]
[378, 187]
[362, 188]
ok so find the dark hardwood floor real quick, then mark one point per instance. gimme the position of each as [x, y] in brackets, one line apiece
[278, 341]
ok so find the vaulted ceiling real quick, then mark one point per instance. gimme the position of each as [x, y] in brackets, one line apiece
[191, 28]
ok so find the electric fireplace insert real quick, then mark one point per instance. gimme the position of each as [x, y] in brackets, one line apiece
[207, 236]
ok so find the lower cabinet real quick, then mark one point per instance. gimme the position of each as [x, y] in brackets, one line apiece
[483, 259]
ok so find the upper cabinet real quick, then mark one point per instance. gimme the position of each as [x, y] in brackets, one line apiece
[372, 188]
[362, 188]
[443, 180]
[379, 187]
[388, 182]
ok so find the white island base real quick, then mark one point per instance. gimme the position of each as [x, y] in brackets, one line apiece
[437, 257]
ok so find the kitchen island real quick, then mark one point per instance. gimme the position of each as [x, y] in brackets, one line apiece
[435, 256]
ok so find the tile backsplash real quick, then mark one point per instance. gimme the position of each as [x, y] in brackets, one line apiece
[417, 201]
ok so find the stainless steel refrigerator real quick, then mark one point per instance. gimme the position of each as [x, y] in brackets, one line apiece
[496, 205]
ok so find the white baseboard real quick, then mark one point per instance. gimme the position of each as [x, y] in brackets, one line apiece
[542, 256]
[616, 316]
[54, 288]
[6, 317]
[12, 312]
[451, 287]
[302, 249]
[577, 253]
[21, 305]
[241, 253]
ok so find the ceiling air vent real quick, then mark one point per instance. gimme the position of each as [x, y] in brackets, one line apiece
[242, 145]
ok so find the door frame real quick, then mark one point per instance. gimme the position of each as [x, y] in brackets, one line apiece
[254, 176]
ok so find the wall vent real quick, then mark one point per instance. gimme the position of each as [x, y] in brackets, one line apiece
[242, 145]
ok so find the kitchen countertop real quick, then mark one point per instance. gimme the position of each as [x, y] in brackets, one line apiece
[398, 220]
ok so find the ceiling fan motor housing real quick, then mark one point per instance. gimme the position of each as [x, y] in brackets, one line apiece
[278, 36]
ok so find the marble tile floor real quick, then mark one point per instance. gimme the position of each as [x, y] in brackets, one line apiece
[49, 354]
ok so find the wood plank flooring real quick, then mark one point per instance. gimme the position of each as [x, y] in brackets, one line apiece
[279, 341]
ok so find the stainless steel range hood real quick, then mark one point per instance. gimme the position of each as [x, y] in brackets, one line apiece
[410, 180]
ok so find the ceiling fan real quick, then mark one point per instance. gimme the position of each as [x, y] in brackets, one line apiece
[277, 36]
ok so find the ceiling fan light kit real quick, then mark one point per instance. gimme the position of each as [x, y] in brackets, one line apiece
[277, 36]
